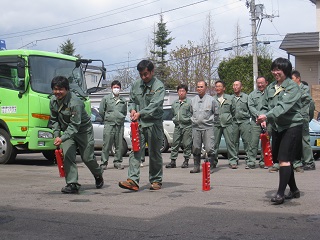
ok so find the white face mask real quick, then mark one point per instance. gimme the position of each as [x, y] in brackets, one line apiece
[116, 91]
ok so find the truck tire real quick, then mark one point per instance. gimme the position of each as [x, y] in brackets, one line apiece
[8, 152]
[49, 155]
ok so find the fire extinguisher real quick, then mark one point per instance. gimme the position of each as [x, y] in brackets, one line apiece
[59, 158]
[266, 148]
[135, 137]
[206, 176]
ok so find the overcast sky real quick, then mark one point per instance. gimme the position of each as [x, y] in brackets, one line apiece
[118, 30]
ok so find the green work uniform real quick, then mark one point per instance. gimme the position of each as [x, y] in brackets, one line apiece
[147, 99]
[282, 107]
[307, 154]
[254, 104]
[182, 134]
[242, 123]
[223, 125]
[69, 116]
[113, 111]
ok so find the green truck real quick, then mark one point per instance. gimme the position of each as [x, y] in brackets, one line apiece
[25, 92]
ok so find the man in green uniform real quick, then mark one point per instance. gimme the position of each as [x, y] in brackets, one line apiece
[113, 110]
[223, 124]
[182, 133]
[242, 121]
[306, 101]
[254, 103]
[69, 116]
[146, 106]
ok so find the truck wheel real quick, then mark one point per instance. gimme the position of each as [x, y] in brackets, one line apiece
[8, 152]
[49, 155]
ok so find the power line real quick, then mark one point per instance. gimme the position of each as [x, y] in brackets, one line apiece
[76, 20]
[120, 23]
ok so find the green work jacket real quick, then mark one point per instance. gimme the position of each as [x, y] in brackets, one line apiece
[113, 110]
[282, 107]
[182, 113]
[226, 111]
[68, 115]
[147, 99]
[242, 113]
[255, 103]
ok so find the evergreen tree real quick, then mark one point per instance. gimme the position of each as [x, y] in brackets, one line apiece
[68, 48]
[161, 40]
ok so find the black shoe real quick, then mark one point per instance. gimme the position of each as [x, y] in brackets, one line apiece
[250, 167]
[71, 188]
[99, 181]
[294, 194]
[277, 199]
[172, 164]
[308, 167]
[185, 164]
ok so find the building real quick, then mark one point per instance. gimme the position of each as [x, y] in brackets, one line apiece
[305, 48]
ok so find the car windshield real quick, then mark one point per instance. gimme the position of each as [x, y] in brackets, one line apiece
[44, 69]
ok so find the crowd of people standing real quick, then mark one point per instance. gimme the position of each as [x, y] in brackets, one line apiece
[283, 107]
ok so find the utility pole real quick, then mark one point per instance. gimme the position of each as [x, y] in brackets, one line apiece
[254, 41]
[256, 12]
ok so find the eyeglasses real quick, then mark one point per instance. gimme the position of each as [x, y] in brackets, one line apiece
[276, 71]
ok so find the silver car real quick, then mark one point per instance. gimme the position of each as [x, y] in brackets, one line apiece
[98, 126]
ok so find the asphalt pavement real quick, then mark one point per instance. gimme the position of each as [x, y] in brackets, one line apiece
[237, 206]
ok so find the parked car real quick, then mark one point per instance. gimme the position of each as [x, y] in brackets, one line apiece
[314, 130]
[98, 126]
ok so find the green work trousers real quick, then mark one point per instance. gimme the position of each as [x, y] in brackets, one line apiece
[254, 145]
[85, 142]
[242, 130]
[307, 153]
[112, 135]
[227, 132]
[181, 136]
[153, 136]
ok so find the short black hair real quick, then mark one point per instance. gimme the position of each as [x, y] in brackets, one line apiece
[116, 82]
[296, 73]
[180, 86]
[145, 64]
[282, 64]
[60, 82]
[220, 81]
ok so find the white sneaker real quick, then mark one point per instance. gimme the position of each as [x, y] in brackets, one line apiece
[141, 164]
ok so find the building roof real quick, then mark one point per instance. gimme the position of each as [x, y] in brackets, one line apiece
[300, 42]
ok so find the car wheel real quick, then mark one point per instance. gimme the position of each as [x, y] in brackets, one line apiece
[165, 145]
[49, 155]
[8, 152]
[316, 155]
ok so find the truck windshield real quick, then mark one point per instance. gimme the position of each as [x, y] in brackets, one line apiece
[44, 69]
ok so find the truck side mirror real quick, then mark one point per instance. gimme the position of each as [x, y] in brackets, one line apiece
[21, 68]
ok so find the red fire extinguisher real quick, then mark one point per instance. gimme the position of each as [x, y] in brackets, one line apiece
[135, 137]
[59, 158]
[266, 148]
[206, 176]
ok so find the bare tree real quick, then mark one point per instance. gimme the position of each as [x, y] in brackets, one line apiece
[210, 57]
[238, 47]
